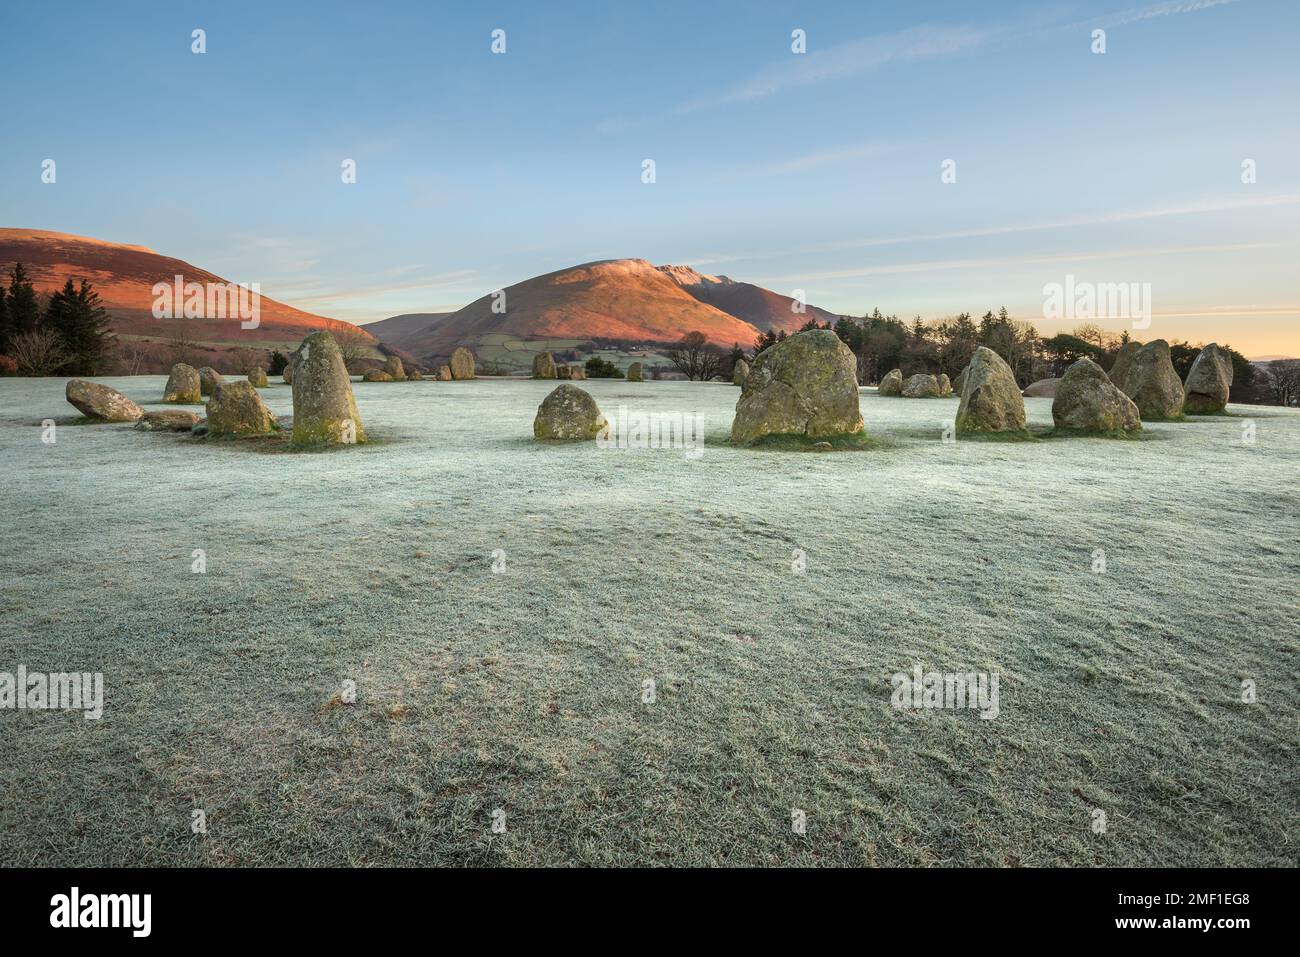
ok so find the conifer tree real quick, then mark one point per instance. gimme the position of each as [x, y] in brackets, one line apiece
[80, 320]
[23, 307]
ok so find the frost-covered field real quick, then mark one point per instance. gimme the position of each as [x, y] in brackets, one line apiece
[523, 691]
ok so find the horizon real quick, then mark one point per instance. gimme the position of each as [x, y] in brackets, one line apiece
[818, 171]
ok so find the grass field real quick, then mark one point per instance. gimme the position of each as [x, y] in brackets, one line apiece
[522, 691]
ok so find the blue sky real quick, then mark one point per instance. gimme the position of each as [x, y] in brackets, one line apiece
[818, 172]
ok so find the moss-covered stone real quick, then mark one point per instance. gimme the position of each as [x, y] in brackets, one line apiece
[1209, 381]
[183, 385]
[324, 408]
[568, 414]
[257, 379]
[921, 386]
[1087, 401]
[740, 372]
[1153, 384]
[101, 403]
[805, 385]
[462, 364]
[891, 384]
[209, 379]
[393, 366]
[990, 398]
[377, 375]
[634, 373]
[544, 366]
[236, 409]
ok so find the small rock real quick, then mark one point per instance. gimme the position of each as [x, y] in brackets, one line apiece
[377, 375]
[168, 420]
[236, 408]
[568, 414]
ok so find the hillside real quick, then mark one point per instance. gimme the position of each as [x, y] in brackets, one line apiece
[124, 276]
[629, 300]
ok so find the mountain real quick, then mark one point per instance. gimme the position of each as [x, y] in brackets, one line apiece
[629, 300]
[124, 276]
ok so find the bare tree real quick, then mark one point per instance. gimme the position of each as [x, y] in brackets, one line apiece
[1282, 378]
[39, 352]
[181, 346]
[354, 345]
[244, 360]
[135, 356]
[695, 357]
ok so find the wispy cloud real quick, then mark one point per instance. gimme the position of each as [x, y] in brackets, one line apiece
[808, 161]
[1201, 207]
[941, 265]
[1168, 9]
[830, 63]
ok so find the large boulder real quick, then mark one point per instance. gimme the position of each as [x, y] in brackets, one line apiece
[569, 414]
[257, 379]
[1123, 360]
[740, 372]
[462, 364]
[543, 366]
[444, 374]
[236, 408]
[1088, 401]
[168, 420]
[807, 385]
[945, 384]
[183, 386]
[1044, 388]
[96, 401]
[921, 386]
[377, 375]
[209, 379]
[1209, 381]
[324, 409]
[634, 373]
[990, 398]
[393, 366]
[891, 384]
[1153, 383]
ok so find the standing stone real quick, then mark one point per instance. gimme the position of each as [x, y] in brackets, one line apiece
[324, 409]
[257, 379]
[990, 398]
[183, 386]
[945, 384]
[569, 414]
[634, 373]
[740, 373]
[444, 373]
[959, 383]
[564, 372]
[807, 385]
[1153, 383]
[1087, 400]
[891, 384]
[1123, 360]
[236, 409]
[577, 372]
[543, 366]
[393, 366]
[921, 386]
[1209, 381]
[209, 379]
[96, 401]
[462, 364]
[1044, 388]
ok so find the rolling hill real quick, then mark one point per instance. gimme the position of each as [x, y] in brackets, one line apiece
[628, 300]
[124, 276]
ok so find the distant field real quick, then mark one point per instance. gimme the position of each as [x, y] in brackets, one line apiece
[522, 692]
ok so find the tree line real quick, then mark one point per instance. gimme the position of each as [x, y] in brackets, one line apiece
[882, 343]
[67, 334]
